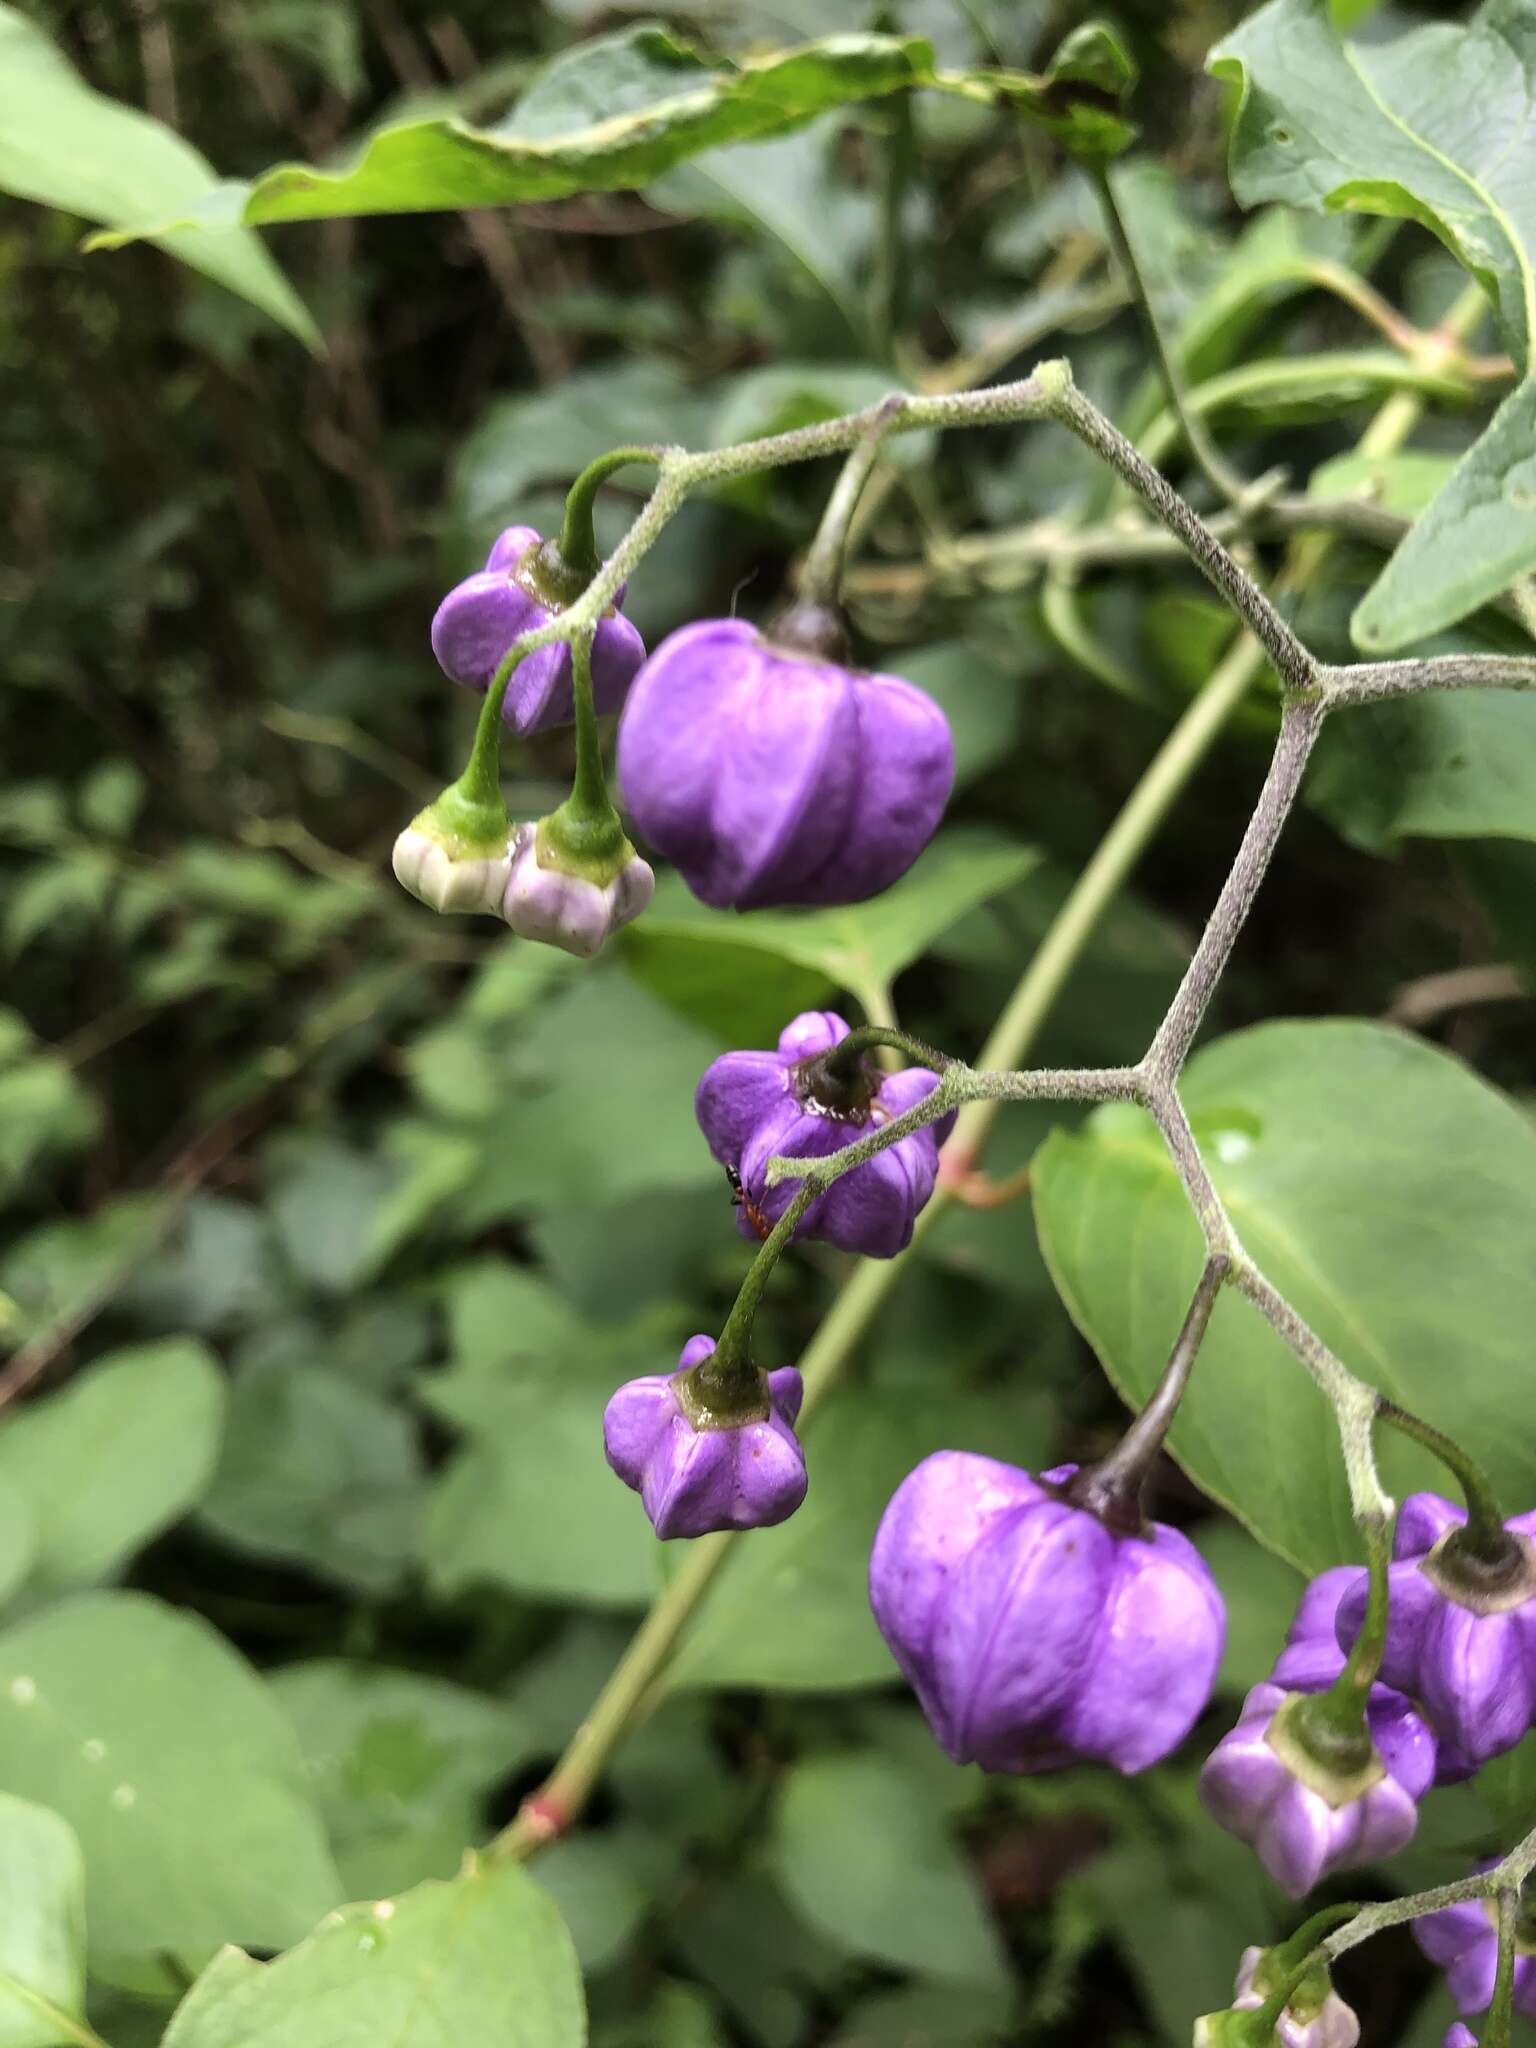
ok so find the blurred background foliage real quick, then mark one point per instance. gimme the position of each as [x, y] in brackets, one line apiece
[329, 1226]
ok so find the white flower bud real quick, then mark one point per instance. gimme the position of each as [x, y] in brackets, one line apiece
[427, 868]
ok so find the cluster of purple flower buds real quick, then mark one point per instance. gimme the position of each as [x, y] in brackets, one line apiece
[1306, 1811]
[512, 595]
[770, 774]
[1464, 1941]
[1461, 1630]
[697, 1470]
[796, 1101]
[1033, 1633]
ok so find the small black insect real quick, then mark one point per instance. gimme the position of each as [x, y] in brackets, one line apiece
[741, 1200]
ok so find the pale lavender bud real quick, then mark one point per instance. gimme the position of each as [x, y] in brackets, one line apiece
[546, 902]
[1315, 2017]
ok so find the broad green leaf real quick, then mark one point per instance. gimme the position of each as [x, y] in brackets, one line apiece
[164, 1751]
[64, 145]
[865, 1858]
[42, 1926]
[484, 1959]
[791, 1609]
[613, 114]
[1456, 764]
[783, 189]
[1426, 127]
[571, 1125]
[537, 439]
[529, 1502]
[1387, 1192]
[399, 1764]
[318, 1471]
[864, 946]
[116, 1456]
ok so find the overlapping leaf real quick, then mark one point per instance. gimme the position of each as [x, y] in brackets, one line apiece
[1389, 1194]
[67, 146]
[1437, 127]
[622, 109]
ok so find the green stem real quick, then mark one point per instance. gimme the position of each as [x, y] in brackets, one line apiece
[732, 1354]
[1295, 1960]
[1332, 1724]
[888, 283]
[1207, 455]
[1501, 2006]
[824, 561]
[1486, 1535]
[577, 547]
[866, 1037]
[589, 788]
[1111, 1488]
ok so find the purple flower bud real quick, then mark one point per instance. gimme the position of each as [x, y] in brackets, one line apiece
[1312, 1659]
[1316, 2016]
[1033, 1635]
[770, 776]
[546, 902]
[446, 876]
[481, 617]
[1464, 1941]
[754, 1105]
[1303, 1819]
[1459, 2035]
[1461, 1641]
[693, 1478]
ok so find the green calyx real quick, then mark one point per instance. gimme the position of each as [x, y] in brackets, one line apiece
[583, 840]
[547, 573]
[1485, 1575]
[468, 824]
[722, 1393]
[1233, 2030]
[1323, 1741]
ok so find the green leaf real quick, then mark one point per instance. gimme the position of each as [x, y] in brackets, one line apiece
[869, 1861]
[864, 946]
[1457, 764]
[42, 1925]
[115, 1457]
[529, 1503]
[790, 1611]
[1335, 1147]
[609, 116]
[1420, 128]
[64, 145]
[318, 1471]
[399, 1764]
[164, 1751]
[484, 1959]
[571, 1125]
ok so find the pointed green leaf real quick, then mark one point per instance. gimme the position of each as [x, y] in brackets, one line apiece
[64, 145]
[609, 116]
